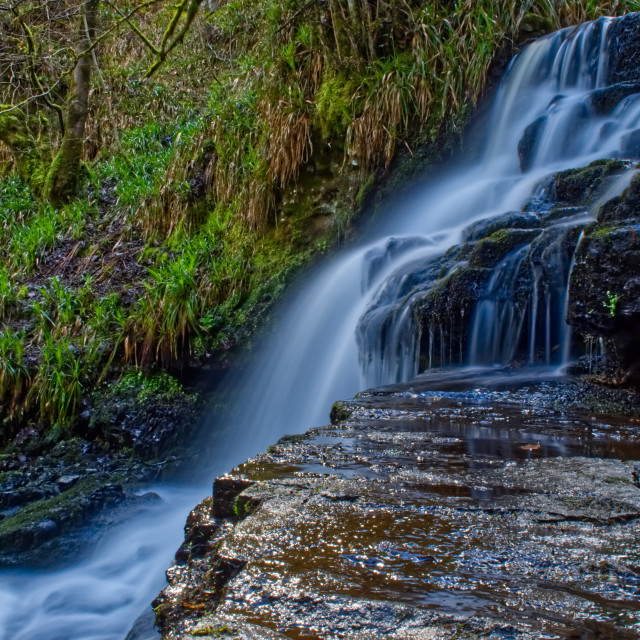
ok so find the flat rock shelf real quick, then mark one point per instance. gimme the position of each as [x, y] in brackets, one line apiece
[421, 513]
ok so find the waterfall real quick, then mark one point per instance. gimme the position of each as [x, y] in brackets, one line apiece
[547, 117]
[498, 324]
[526, 302]
[352, 324]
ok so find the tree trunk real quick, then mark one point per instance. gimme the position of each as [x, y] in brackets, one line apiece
[62, 178]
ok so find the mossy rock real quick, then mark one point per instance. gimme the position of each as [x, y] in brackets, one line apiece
[445, 315]
[148, 413]
[510, 220]
[535, 26]
[605, 284]
[604, 101]
[490, 250]
[622, 209]
[38, 522]
[583, 186]
[339, 413]
[458, 291]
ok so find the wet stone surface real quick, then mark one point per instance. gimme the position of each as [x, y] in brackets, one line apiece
[422, 514]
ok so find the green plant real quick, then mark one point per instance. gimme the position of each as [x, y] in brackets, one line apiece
[169, 312]
[57, 385]
[14, 374]
[611, 303]
[8, 296]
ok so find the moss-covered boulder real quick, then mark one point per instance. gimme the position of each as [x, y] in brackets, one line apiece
[445, 315]
[583, 186]
[510, 220]
[621, 209]
[490, 250]
[148, 414]
[605, 284]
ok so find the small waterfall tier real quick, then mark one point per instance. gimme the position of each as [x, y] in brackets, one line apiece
[491, 281]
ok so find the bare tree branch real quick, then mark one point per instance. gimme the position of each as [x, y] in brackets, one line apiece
[18, 105]
[44, 94]
[135, 28]
[191, 7]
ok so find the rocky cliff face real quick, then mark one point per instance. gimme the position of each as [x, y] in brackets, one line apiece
[506, 293]
[605, 286]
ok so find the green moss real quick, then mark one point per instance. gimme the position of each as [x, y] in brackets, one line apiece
[490, 250]
[211, 631]
[582, 186]
[602, 232]
[244, 506]
[142, 386]
[334, 105]
[136, 395]
[339, 413]
[365, 189]
[534, 25]
[292, 439]
[28, 158]
[68, 501]
[61, 183]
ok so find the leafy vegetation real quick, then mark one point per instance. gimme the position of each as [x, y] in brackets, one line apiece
[205, 188]
[611, 303]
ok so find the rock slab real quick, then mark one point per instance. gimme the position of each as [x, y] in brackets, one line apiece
[422, 514]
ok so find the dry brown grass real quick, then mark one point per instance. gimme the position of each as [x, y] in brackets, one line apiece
[289, 141]
[410, 67]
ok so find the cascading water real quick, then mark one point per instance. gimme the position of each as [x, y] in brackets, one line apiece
[352, 326]
[525, 303]
[547, 117]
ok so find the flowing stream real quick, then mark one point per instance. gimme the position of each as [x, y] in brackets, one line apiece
[350, 326]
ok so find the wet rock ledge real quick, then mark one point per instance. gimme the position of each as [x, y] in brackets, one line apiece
[419, 513]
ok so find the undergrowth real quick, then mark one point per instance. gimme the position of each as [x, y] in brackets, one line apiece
[192, 222]
[364, 77]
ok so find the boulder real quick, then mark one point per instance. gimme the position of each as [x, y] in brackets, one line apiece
[604, 101]
[510, 220]
[604, 298]
[624, 53]
[225, 491]
[583, 186]
[490, 250]
[528, 144]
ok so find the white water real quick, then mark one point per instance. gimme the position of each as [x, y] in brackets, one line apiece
[312, 359]
[550, 83]
[101, 596]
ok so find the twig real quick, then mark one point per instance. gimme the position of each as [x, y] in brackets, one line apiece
[136, 29]
[13, 107]
[32, 71]
[303, 8]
